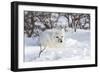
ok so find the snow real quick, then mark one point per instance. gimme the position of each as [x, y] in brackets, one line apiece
[86, 25]
[54, 16]
[62, 21]
[38, 23]
[33, 41]
[82, 21]
[70, 19]
[77, 46]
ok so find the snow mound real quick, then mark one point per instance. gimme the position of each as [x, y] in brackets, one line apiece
[73, 49]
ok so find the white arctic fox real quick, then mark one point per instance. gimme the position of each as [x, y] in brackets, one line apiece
[52, 38]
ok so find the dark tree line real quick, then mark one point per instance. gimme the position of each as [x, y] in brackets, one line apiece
[36, 22]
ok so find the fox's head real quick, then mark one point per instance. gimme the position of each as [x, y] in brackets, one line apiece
[59, 35]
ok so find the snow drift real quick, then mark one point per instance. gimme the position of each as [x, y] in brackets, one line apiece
[77, 46]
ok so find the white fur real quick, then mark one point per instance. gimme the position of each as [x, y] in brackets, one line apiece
[52, 38]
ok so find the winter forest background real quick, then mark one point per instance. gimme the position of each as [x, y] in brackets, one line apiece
[77, 34]
[35, 21]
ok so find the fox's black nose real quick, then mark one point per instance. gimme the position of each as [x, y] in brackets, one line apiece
[61, 41]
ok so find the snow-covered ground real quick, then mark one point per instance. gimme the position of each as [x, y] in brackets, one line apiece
[77, 46]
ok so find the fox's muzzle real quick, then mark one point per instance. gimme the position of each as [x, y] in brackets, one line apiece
[60, 40]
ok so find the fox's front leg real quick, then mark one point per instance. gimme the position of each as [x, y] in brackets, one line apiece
[41, 50]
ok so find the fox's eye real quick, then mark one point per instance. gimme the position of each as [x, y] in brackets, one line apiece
[57, 37]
